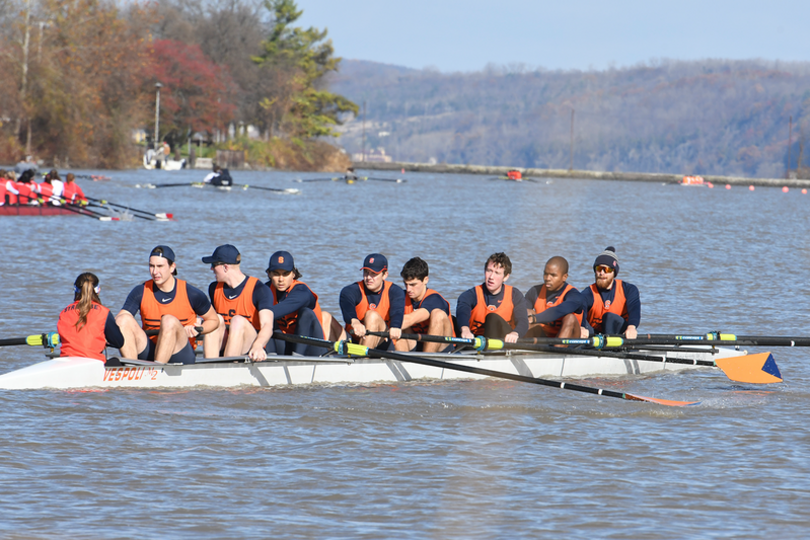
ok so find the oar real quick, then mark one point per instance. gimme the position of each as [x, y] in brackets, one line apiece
[89, 213]
[139, 216]
[718, 338]
[758, 368]
[395, 180]
[49, 340]
[155, 186]
[342, 347]
[317, 179]
[144, 212]
[290, 191]
[93, 177]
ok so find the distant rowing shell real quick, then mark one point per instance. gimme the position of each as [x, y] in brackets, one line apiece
[66, 373]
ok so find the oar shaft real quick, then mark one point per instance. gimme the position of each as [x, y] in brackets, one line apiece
[359, 350]
[105, 202]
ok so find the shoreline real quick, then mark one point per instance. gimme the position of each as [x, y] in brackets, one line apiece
[445, 168]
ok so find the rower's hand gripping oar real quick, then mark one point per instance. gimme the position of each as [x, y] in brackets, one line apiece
[353, 349]
[758, 368]
[49, 340]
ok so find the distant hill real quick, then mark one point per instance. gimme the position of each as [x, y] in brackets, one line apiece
[710, 117]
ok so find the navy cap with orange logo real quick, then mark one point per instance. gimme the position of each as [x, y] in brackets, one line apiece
[376, 262]
[281, 260]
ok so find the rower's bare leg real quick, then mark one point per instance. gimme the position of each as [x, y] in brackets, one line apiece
[171, 339]
[439, 325]
[241, 336]
[332, 331]
[373, 322]
[570, 328]
[212, 341]
[404, 345]
[135, 339]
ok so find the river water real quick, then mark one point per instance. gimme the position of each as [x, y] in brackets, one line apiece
[463, 459]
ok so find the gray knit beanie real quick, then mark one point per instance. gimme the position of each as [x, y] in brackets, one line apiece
[608, 258]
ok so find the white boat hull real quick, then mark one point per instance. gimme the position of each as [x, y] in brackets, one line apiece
[71, 372]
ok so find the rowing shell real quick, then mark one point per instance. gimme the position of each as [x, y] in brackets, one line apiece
[30, 210]
[71, 372]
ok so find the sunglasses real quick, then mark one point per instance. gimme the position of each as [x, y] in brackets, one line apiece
[214, 265]
[605, 269]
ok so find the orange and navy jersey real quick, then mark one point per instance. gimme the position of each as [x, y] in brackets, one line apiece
[432, 300]
[480, 311]
[152, 310]
[90, 340]
[287, 304]
[622, 299]
[551, 309]
[242, 303]
[389, 302]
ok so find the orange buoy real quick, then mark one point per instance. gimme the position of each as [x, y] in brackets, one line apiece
[728, 186]
[785, 189]
[804, 192]
[751, 188]
[710, 185]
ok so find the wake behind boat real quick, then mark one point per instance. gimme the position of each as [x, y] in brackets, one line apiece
[71, 372]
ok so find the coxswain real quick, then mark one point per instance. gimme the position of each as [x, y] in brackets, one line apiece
[296, 309]
[373, 304]
[426, 311]
[243, 307]
[219, 177]
[72, 193]
[493, 309]
[556, 307]
[169, 310]
[612, 306]
[85, 327]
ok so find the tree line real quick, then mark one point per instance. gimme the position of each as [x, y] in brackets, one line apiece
[700, 117]
[80, 77]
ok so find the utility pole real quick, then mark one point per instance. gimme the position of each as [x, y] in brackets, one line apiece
[158, 86]
[790, 140]
[24, 85]
[571, 163]
[364, 130]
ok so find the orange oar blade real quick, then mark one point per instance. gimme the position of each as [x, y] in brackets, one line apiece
[668, 402]
[757, 368]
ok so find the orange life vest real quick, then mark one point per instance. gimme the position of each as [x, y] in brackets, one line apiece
[540, 305]
[422, 327]
[180, 307]
[287, 323]
[598, 310]
[88, 341]
[479, 313]
[241, 305]
[384, 309]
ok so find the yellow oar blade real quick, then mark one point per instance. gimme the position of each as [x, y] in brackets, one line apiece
[668, 402]
[757, 368]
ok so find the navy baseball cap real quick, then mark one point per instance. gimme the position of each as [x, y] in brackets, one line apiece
[224, 254]
[163, 251]
[281, 260]
[376, 262]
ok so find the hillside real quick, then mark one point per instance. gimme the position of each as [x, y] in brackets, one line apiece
[710, 117]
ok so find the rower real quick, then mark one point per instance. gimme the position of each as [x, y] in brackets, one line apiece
[243, 306]
[350, 176]
[426, 311]
[85, 326]
[373, 304]
[168, 306]
[493, 309]
[72, 193]
[612, 306]
[23, 190]
[219, 177]
[51, 188]
[556, 307]
[296, 309]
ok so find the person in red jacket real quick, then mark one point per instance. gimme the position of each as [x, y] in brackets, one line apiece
[72, 193]
[85, 326]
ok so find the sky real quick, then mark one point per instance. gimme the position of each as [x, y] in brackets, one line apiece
[456, 35]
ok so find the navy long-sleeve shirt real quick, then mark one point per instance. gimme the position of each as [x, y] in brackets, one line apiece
[572, 303]
[291, 300]
[633, 301]
[351, 296]
[468, 300]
